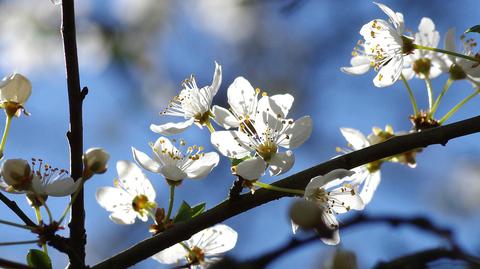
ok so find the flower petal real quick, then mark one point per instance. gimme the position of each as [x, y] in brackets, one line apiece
[172, 172]
[360, 66]
[172, 128]
[215, 240]
[132, 179]
[395, 18]
[62, 187]
[242, 97]
[297, 133]
[331, 221]
[163, 148]
[450, 43]
[251, 169]
[202, 167]
[224, 117]
[171, 255]
[390, 72]
[281, 163]
[283, 102]
[370, 185]
[217, 79]
[321, 181]
[355, 138]
[232, 144]
[125, 217]
[146, 162]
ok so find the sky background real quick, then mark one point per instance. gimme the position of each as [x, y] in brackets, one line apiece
[133, 56]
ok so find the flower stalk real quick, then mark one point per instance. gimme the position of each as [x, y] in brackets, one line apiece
[170, 203]
[416, 46]
[8, 122]
[279, 189]
[410, 94]
[458, 106]
[440, 96]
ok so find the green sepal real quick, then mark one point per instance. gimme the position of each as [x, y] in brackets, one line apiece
[38, 259]
[473, 29]
[186, 212]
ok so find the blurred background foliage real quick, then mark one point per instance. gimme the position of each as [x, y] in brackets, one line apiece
[133, 56]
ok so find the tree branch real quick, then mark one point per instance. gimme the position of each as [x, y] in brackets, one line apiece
[12, 265]
[14, 207]
[75, 134]
[229, 208]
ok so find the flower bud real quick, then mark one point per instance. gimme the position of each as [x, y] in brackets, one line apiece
[14, 92]
[344, 259]
[306, 214]
[16, 173]
[95, 161]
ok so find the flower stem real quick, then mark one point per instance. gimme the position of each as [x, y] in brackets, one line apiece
[18, 243]
[440, 96]
[280, 189]
[458, 106]
[428, 82]
[16, 225]
[49, 213]
[170, 202]
[447, 52]
[410, 94]
[210, 126]
[38, 214]
[8, 122]
[185, 246]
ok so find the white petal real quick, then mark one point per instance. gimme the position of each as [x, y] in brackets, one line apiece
[331, 221]
[224, 117]
[146, 162]
[408, 73]
[123, 217]
[62, 187]
[370, 186]
[281, 163]
[242, 97]
[426, 25]
[396, 18]
[390, 72]
[15, 88]
[298, 133]
[133, 180]
[202, 167]
[294, 227]
[321, 181]
[360, 65]
[251, 169]
[217, 79]
[172, 172]
[112, 198]
[232, 144]
[171, 128]
[171, 255]
[215, 240]
[450, 43]
[163, 148]
[355, 138]
[284, 102]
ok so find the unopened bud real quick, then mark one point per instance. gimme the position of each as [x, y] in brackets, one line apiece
[95, 161]
[16, 173]
[344, 259]
[306, 214]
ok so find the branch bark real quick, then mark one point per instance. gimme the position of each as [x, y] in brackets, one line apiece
[14, 207]
[229, 208]
[13, 265]
[75, 134]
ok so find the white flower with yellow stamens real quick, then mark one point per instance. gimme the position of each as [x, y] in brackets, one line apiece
[192, 104]
[132, 197]
[175, 165]
[385, 47]
[202, 249]
[261, 137]
[333, 198]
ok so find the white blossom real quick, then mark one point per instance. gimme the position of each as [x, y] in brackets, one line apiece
[15, 90]
[192, 104]
[425, 62]
[333, 199]
[96, 160]
[175, 165]
[260, 134]
[384, 49]
[202, 249]
[133, 195]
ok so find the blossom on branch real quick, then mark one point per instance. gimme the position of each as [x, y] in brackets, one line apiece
[461, 68]
[133, 195]
[202, 249]
[175, 165]
[193, 104]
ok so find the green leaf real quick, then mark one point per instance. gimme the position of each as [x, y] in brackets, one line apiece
[184, 213]
[474, 29]
[198, 209]
[238, 161]
[38, 259]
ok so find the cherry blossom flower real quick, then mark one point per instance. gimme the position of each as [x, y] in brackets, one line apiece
[384, 49]
[175, 165]
[132, 197]
[95, 160]
[421, 63]
[262, 135]
[333, 198]
[461, 68]
[193, 104]
[37, 179]
[202, 249]
[15, 90]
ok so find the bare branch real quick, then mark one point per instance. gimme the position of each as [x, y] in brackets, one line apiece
[14, 207]
[12, 265]
[229, 208]
[75, 134]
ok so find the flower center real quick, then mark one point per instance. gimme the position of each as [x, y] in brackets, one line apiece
[12, 108]
[196, 255]
[374, 166]
[266, 150]
[422, 66]
[141, 204]
[408, 46]
[456, 72]
[247, 127]
[202, 118]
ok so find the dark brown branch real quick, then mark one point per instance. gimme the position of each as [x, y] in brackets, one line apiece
[75, 134]
[62, 244]
[14, 207]
[12, 265]
[422, 258]
[229, 208]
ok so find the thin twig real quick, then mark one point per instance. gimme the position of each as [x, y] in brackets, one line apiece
[229, 208]
[12, 265]
[14, 207]
[75, 134]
